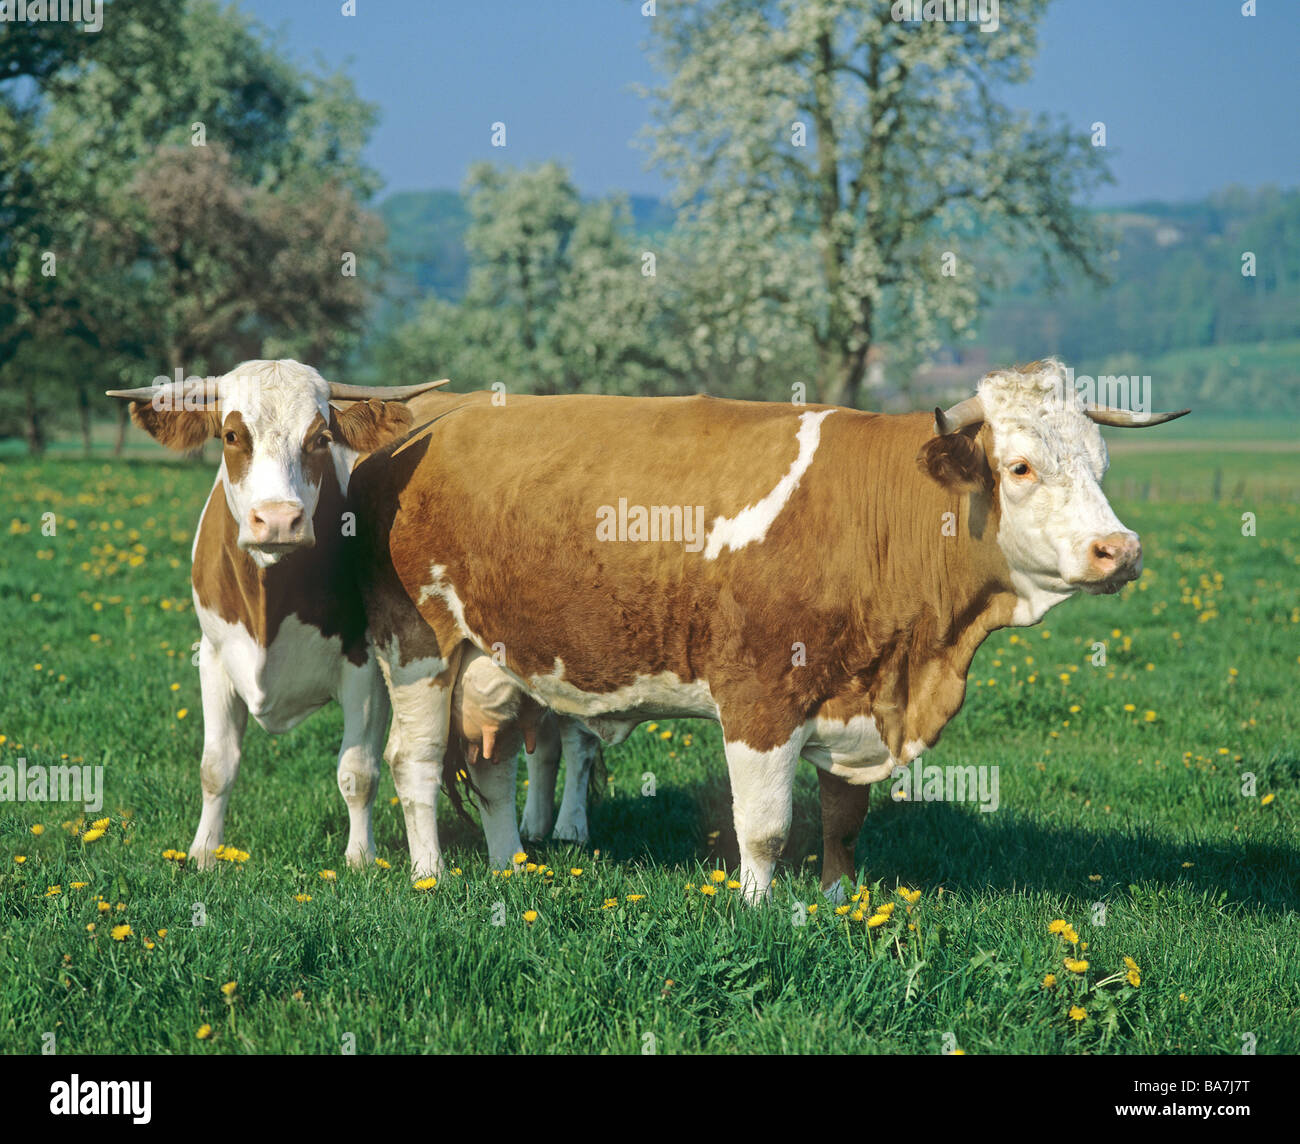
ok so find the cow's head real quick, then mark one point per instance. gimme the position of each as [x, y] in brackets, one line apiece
[280, 435]
[1028, 440]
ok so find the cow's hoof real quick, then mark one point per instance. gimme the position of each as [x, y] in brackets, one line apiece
[360, 859]
[571, 832]
[202, 859]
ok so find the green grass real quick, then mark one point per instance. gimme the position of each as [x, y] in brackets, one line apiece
[1200, 882]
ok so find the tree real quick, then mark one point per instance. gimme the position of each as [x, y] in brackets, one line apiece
[860, 172]
[106, 167]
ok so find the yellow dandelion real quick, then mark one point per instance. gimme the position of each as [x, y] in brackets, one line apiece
[1183, 997]
[840, 911]
[1149, 716]
[53, 891]
[92, 835]
[148, 944]
[519, 859]
[162, 933]
[1049, 979]
[1134, 978]
[1094, 877]
[38, 830]
[1075, 965]
[425, 884]
[635, 897]
[576, 871]
[20, 858]
[1131, 964]
[610, 903]
[302, 897]
[733, 885]
[229, 988]
[665, 734]
[1057, 926]
[530, 916]
[1267, 799]
[708, 890]
[103, 907]
[204, 1033]
[652, 727]
[887, 909]
[1069, 935]
[79, 885]
[1130, 706]
[383, 864]
[718, 875]
[182, 713]
[328, 876]
[877, 919]
[1078, 1013]
[531, 868]
[90, 927]
[812, 909]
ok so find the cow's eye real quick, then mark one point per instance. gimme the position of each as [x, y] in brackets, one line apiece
[1021, 469]
[323, 441]
[232, 438]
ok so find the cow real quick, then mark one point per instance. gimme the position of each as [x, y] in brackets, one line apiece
[851, 565]
[283, 629]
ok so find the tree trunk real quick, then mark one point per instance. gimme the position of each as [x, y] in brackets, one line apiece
[35, 431]
[83, 408]
[123, 420]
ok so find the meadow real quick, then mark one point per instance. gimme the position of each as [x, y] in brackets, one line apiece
[1135, 892]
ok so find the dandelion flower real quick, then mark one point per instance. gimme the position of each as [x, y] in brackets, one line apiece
[1130, 963]
[576, 871]
[229, 988]
[1049, 979]
[162, 933]
[610, 903]
[53, 891]
[182, 713]
[1267, 799]
[1069, 935]
[38, 830]
[1075, 965]
[840, 911]
[877, 919]
[733, 885]
[103, 907]
[329, 875]
[1056, 926]
[1134, 978]
[530, 916]
[93, 835]
[79, 885]
[519, 859]
[425, 884]
[20, 858]
[812, 909]
[709, 890]
[718, 876]
[1078, 1013]
[204, 1033]
[302, 897]
[635, 897]
[383, 864]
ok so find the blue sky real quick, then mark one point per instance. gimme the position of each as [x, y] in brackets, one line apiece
[1195, 96]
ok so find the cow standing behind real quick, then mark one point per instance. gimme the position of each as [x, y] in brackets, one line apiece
[283, 628]
[852, 565]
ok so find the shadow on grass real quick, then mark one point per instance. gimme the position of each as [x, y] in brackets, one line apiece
[926, 845]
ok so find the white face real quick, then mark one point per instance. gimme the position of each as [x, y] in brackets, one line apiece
[276, 448]
[1057, 530]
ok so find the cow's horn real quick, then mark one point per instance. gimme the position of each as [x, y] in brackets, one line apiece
[147, 392]
[1125, 419]
[341, 392]
[966, 412]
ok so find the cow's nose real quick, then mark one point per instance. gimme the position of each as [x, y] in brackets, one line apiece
[276, 522]
[1111, 557]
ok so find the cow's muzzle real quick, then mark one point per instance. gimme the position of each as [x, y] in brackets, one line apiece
[278, 527]
[1112, 562]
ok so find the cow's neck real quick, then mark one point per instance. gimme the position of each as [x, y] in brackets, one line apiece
[307, 584]
[937, 585]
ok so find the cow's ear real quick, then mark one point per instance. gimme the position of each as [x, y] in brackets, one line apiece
[181, 429]
[956, 461]
[369, 425]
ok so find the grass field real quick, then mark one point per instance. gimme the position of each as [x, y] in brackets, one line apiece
[1121, 786]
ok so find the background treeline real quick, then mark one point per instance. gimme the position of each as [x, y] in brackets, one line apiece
[848, 221]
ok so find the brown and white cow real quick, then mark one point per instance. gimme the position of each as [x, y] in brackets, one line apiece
[283, 630]
[827, 576]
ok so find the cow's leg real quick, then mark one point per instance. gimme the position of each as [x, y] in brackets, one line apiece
[225, 716]
[420, 692]
[844, 810]
[581, 750]
[365, 719]
[762, 796]
[543, 767]
[494, 784]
